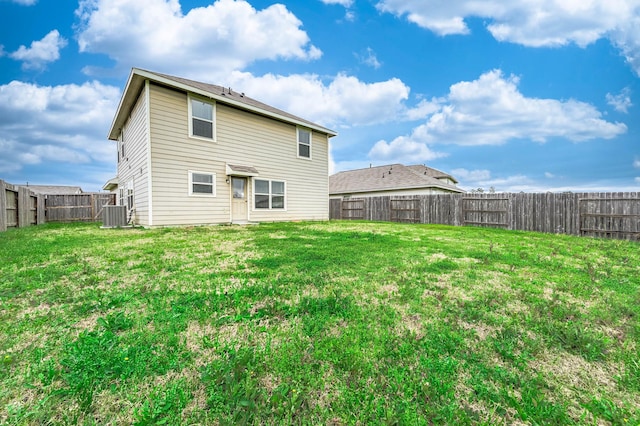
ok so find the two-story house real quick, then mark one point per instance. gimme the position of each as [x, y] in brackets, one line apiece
[191, 153]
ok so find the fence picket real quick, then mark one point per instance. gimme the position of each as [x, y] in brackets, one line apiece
[604, 215]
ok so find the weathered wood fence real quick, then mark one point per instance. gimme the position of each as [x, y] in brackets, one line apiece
[605, 215]
[19, 207]
[85, 207]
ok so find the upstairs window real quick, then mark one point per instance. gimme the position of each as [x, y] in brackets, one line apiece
[269, 194]
[304, 143]
[202, 184]
[201, 116]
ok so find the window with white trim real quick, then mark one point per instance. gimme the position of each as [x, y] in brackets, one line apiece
[202, 184]
[120, 144]
[201, 118]
[269, 194]
[304, 143]
[130, 196]
[125, 195]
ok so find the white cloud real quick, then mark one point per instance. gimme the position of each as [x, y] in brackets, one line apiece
[349, 15]
[636, 163]
[626, 36]
[620, 102]
[57, 124]
[637, 180]
[549, 175]
[345, 3]
[471, 175]
[532, 23]
[25, 2]
[424, 109]
[491, 111]
[403, 150]
[472, 179]
[341, 101]
[369, 58]
[41, 52]
[482, 178]
[207, 42]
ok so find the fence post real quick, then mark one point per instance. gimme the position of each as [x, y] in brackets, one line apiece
[3, 206]
[23, 207]
[40, 210]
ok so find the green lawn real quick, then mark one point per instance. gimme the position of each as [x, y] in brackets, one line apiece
[317, 323]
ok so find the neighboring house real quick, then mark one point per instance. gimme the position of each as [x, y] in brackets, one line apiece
[54, 189]
[192, 153]
[393, 179]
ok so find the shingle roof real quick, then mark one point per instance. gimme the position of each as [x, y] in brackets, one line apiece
[219, 93]
[229, 93]
[388, 178]
[428, 171]
[54, 189]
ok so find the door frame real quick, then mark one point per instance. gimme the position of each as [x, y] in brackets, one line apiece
[245, 218]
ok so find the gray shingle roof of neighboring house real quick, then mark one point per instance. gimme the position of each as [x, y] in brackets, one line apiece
[54, 189]
[434, 173]
[220, 94]
[391, 177]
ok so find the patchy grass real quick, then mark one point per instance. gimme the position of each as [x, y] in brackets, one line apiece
[317, 323]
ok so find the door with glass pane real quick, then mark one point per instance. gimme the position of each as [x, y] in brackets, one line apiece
[239, 199]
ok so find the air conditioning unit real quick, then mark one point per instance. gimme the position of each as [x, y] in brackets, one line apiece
[114, 216]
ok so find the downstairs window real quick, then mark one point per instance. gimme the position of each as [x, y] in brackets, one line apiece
[269, 194]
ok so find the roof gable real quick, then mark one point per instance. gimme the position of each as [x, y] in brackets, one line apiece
[220, 94]
[387, 178]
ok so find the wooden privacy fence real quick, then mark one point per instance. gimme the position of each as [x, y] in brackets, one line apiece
[606, 215]
[19, 207]
[85, 207]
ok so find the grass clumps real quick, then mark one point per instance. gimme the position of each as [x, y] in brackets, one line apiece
[317, 323]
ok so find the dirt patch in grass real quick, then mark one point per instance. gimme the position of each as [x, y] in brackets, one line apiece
[482, 330]
[574, 379]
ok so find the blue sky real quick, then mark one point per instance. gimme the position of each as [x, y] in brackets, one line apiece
[520, 95]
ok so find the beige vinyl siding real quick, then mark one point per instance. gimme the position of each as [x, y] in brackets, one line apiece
[173, 155]
[133, 167]
[243, 138]
[272, 147]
